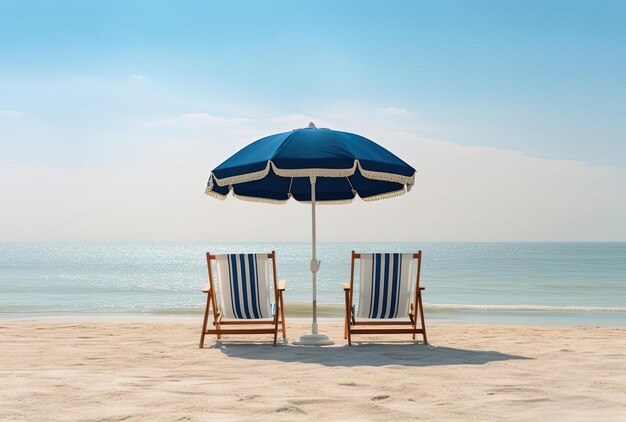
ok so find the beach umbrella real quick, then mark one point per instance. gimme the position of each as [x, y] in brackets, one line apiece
[316, 166]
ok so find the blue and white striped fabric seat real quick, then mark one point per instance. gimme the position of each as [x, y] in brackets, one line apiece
[385, 285]
[243, 286]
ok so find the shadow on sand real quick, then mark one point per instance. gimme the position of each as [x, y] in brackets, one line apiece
[365, 354]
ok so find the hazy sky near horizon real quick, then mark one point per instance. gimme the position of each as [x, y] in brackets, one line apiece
[112, 115]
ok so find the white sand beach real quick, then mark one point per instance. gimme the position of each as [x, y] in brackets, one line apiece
[113, 369]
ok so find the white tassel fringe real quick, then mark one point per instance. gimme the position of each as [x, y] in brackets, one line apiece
[386, 195]
[318, 172]
[214, 194]
[260, 200]
[243, 178]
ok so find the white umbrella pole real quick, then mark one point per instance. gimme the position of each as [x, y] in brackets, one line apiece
[315, 338]
[315, 264]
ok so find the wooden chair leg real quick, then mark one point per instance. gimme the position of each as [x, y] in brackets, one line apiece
[419, 298]
[282, 315]
[276, 314]
[276, 328]
[206, 317]
[413, 318]
[346, 325]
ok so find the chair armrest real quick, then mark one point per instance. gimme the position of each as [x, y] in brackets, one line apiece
[206, 289]
[422, 287]
[346, 286]
[282, 285]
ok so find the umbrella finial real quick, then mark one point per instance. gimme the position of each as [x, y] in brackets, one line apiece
[311, 126]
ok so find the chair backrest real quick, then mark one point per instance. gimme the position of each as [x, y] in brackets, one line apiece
[385, 284]
[243, 284]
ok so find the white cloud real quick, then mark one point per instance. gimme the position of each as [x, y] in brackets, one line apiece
[10, 113]
[140, 78]
[199, 118]
[392, 111]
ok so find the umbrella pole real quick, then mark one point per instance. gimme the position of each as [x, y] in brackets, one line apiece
[315, 338]
[315, 264]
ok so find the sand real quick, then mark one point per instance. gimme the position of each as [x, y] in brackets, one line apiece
[153, 370]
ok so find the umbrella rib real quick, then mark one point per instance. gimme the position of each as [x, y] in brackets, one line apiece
[351, 187]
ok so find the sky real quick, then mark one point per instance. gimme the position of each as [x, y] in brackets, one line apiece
[113, 114]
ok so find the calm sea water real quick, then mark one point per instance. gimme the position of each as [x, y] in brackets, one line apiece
[525, 283]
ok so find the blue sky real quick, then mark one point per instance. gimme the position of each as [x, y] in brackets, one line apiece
[85, 83]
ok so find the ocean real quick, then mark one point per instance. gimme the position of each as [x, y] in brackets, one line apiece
[483, 283]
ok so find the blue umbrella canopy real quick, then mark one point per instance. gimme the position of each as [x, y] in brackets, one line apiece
[278, 167]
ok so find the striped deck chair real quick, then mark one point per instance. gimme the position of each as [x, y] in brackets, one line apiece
[242, 296]
[385, 296]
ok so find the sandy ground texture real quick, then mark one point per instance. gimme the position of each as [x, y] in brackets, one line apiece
[154, 371]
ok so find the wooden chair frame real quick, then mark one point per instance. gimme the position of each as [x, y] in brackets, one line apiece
[350, 320]
[277, 321]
